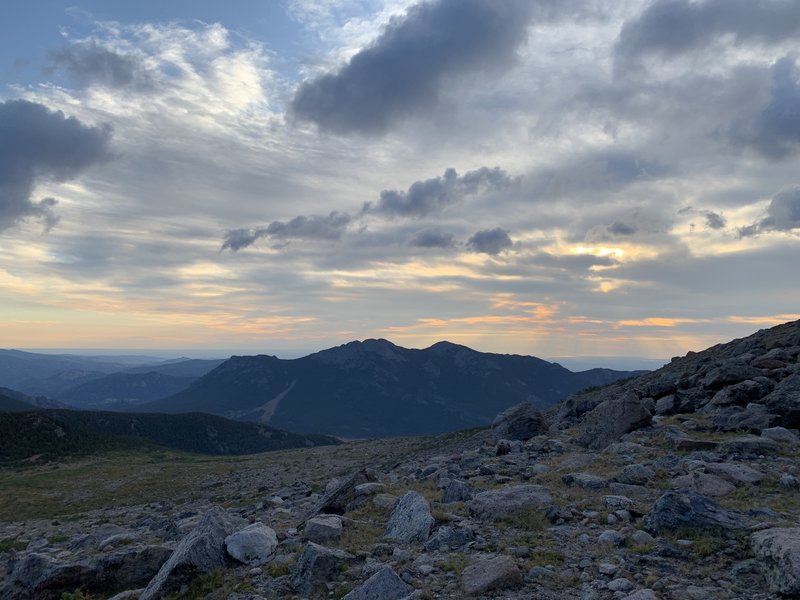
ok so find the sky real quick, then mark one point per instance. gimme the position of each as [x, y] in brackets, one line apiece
[547, 177]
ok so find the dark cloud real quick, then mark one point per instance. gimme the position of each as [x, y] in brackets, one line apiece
[316, 227]
[713, 220]
[431, 196]
[408, 66]
[775, 131]
[783, 213]
[621, 229]
[35, 144]
[672, 27]
[89, 63]
[490, 241]
[433, 239]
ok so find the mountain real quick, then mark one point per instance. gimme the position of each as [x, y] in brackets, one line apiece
[119, 391]
[57, 434]
[184, 367]
[11, 404]
[18, 369]
[375, 388]
[13, 398]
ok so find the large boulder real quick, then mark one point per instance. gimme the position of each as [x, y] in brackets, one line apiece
[130, 567]
[520, 422]
[342, 493]
[490, 574]
[254, 545]
[383, 585]
[37, 576]
[503, 502]
[323, 528]
[612, 419]
[411, 519]
[456, 491]
[201, 551]
[689, 510]
[317, 566]
[778, 555]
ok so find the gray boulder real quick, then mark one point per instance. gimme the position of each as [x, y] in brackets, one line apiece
[749, 445]
[337, 499]
[201, 551]
[383, 585]
[754, 417]
[317, 566]
[130, 567]
[520, 422]
[456, 491]
[490, 574]
[635, 474]
[586, 481]
[781, 435]
[778, 555]
[448, 537]
[503, 502]
[703, 483]
[612, 419]
[689, 510]
[39, 577]
[736, 473]
[323, 528]
[411, 519]
[254, 545]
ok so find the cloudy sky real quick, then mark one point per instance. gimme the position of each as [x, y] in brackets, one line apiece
[548, 177]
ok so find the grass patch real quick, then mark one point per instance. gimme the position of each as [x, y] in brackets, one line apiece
[455, 563]
[9, 544]
[545, 558]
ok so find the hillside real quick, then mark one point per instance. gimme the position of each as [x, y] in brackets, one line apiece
[58, 434]
[119, 391]
[375, 388]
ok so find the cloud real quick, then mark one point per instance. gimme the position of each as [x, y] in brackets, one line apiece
[316, 227]
[431, 196]
[621, 229]
[412, 62]
[713, 220]
[490, 241]
[433, 239]
[672, 27]
[39, 144]
[775, 131]
[88, 63]
[783, 213]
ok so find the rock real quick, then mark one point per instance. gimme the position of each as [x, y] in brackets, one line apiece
[689, 510]
[635, 474]
[520, 422]
[617, 502]
[642, 595]
[735, 472]
[128, 568]
[368, 489]
[665, 405]
[754, 417]
[39, 577]
[448, 537]
[254, 545]
[384, 501]
[503, 502]
[778, 554]
[620, 585]
[781, 435]
[383, 585]
[784, 400]
[728, 373]
[201, 551]
[789, 482]
[456, 491]
[586, 481]
[642, 538]
[317, 566]
[611, 537]
[611, 419]
[323, 528]
[490, 574]
[769, 363]
[342, 493]
[411, 519]
[749, 445]
[743, 392]
[708, 485]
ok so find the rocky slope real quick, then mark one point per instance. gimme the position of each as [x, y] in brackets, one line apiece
[680, 484]
[375, 388]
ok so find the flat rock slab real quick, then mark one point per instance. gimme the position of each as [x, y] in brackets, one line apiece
[504, 502]
[690, 510]
[736, 473]
[778, 554]
[491, 574]
[586, 481]
[383, 585]
[749, 444]
[411, 519]
[317, 566]
[703, 483]
[254, 545]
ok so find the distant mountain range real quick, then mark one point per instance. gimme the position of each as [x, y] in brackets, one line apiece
[375, 388]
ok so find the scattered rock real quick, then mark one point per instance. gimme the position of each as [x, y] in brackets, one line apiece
[383, 585]
[778, 554]
[317, 566]
[520, 422]
[254, 545]
[323, 528]
[411, 519]
[503, 502]
[611, 419]
[689, 510]
[456, 491]
[490, 574]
